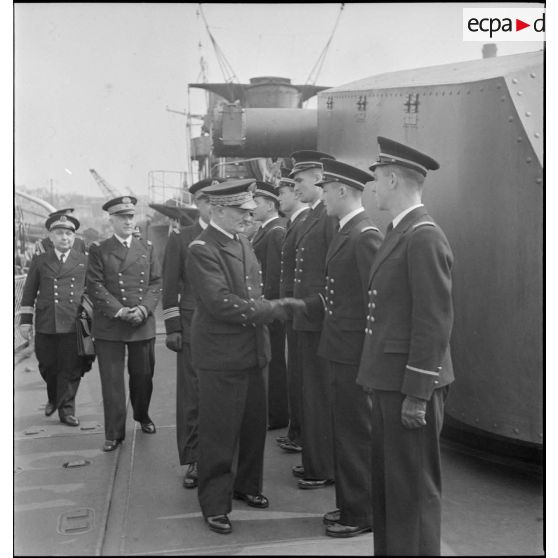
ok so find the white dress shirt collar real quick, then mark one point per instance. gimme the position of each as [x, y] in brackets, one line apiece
[58, 254]
[269, 221]
[349, 216]
[296, 213]
[316, 203]
[213, 224]
[202, 223]
[121, 240]
[399, 217]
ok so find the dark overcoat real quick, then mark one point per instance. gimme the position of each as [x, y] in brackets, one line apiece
[343, 304]
[228, 326]
[267, 244]
[178, 297]
[120, 277]
[410, 311]
[311, 249]
[54, 291]
[288, 254]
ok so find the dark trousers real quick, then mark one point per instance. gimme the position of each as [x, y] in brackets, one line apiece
[352, 428]
[232, 429]
[317, 441]
[60, 368]
[141, 364]
[277, 398]
[294, 384]
[406, 477]
[187, 397]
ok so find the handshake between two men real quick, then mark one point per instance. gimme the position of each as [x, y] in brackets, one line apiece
[281, 309]
[285, 308]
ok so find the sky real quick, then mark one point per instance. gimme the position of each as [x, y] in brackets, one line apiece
[93, 81]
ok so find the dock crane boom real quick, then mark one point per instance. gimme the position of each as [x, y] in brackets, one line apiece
[105, 187]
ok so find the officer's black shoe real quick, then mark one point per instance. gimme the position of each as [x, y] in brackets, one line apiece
[290, 446]
[148, 427]
[282, 439]
[309, 484]
[345, 531]
[298, 471]
[49, 409]
[70, 420]
[191, 476]
[254, 500]
[332, 517]
[111, 445]
[220, 524]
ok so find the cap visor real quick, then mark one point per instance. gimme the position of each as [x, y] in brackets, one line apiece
[251, 205]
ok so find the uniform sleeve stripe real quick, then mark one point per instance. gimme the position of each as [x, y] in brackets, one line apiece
[171, 313]
[429, 372]
[26, 310]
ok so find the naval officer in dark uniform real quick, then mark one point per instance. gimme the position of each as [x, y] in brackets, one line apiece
[343, 305]
[296, 212]
[178, 308]
[406, 362]
[44, 244]
[315, 237]
[124, 284]
[230, 349]
[267, 244]
[53, 289]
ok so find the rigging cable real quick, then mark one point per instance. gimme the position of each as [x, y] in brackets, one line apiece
[315, 72]
[226, 69]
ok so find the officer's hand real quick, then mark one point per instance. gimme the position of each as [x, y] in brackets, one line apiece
[174, 341]
[135, 316]
[413, 412]
[297, 305]
[26, 330]
[124, 314]
[279, 311]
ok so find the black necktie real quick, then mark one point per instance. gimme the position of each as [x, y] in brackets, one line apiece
[125, 242]
[62, 259]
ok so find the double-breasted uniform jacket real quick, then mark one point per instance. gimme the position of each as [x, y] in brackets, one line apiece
[120, 277]
[267, 244]
[410, 311]
[343, 304]
[54, 290]
[228, 326]
[311, 249]
[178, 298]
[288, 254]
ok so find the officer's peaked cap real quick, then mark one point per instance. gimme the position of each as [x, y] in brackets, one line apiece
[307, 159]
[394, 153]
[123, 205]
[66, 211]
[337, 171]
[266, 190]
[204, 183]
[285, 179]
[58, 221]
[233, 193]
